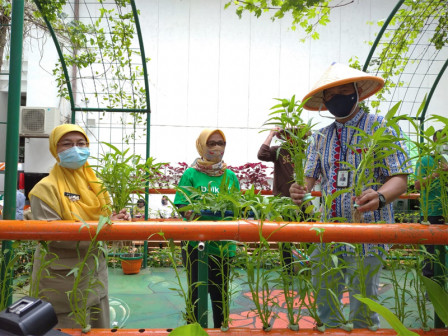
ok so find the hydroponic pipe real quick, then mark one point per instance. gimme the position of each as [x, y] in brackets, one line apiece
[255, 332]
[243, 231]
[269, 192]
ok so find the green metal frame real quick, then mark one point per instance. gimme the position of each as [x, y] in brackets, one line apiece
[75, 109]
[12, 137]
[442, 249]
[380, 35]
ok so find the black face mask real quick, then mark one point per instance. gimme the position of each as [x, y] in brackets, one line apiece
[341, 105]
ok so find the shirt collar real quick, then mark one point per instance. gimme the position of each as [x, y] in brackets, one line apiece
[352, 122]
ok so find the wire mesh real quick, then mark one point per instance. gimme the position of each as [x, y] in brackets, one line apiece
[104, 73]
[408, 56]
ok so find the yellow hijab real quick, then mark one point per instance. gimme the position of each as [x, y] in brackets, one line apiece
[201, 144]
[82, 181]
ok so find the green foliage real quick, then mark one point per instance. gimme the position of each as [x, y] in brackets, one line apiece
[122, 174]
[193, 329]
[226, 275]
[84, 272]
[374, 146]
[102, 52]
[438, 297]
[236, 204]
[288, 116]
[306, 14]
[405, 29]
[440, 38]
[387, 315]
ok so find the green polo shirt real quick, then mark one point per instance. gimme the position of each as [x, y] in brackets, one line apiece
[431, 197]
[199, 180]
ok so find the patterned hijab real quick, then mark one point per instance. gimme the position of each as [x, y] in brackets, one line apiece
[71, 192]
[202, 164]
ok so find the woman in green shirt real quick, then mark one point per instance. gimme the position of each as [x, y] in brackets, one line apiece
[206, 173]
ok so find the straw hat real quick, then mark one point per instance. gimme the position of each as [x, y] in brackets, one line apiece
[340, 74]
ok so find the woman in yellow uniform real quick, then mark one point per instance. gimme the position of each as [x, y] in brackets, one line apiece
[71, 192]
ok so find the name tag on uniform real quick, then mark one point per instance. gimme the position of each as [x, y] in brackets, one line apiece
[342, 178]
[72, 197]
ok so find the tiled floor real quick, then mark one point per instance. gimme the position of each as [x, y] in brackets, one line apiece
[149, 300]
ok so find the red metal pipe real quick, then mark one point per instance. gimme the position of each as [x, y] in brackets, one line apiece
[243, 231]
[255, 332]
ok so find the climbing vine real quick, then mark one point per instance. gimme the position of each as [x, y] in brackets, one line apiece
[306, 14]
[406, 29]
[104, 54]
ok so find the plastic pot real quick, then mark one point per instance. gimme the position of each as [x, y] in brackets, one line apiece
[131, 263]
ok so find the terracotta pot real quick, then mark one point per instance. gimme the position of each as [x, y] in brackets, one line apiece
[131, 263]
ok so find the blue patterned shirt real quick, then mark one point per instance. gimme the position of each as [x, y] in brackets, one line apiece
[325, 154]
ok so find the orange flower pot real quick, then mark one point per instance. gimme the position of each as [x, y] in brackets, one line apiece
[131, 263]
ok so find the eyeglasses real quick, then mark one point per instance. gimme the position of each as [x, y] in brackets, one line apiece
[69, 144]
[216, 143]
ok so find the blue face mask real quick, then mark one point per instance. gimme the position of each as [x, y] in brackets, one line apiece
[341, 106]
[74, 157]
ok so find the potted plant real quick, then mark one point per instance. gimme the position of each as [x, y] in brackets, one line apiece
[131, 262]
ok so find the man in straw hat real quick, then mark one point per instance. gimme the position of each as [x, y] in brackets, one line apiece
[339, 91]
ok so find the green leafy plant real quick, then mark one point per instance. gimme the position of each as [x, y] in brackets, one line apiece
[83, 272]
[184, 293]
[306, 15]
[193, 329]
[16, 271]
[123, 174]
[106, 42]
[387, 315]
[258, 279]
[399, 278]
[288, 116]
[439, 298]
[360, 275]
[227, 276]
[374, 146]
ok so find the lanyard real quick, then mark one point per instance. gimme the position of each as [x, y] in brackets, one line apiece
[343, 156]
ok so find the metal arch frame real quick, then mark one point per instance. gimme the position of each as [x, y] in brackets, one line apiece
[421, 118]
[75, 109]
[67, 77]
[12, 132]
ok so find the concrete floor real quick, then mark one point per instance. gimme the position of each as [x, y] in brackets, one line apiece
[149, 300]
